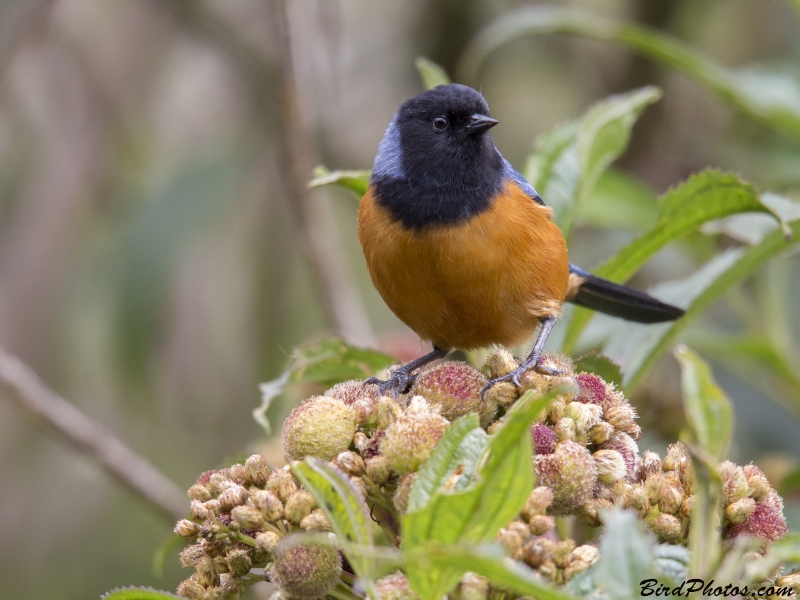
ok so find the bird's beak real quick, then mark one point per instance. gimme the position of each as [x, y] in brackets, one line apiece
[481, 123]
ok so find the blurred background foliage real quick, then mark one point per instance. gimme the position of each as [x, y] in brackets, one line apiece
[160, 254]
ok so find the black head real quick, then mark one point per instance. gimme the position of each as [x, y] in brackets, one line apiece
[436, 162]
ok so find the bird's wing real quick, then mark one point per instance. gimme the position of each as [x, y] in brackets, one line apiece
[515, 176]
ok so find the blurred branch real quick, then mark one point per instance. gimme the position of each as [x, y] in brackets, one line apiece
[320, 236]
[18, 28]
[342, 301]
[135, 472]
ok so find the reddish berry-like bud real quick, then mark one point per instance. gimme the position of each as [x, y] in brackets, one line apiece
[455, 388]
[571, 474]
[544, 439]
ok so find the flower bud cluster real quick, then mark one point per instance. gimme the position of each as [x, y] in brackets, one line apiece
[240, 519]
[249, 516]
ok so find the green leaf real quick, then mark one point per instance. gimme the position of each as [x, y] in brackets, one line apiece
[619, 201]
[626, 556]
[459, 448]
[710, 418]
[568, 161]
[785, 550]
[601, 366]
[326, 362]
[639, 346]
[703, 197]
[499, 488]
[431, 73]
[604, 134]
[343, 505]
[708, 410]
[137, 593]
[355, 181]
[487, 560]
[770, 97]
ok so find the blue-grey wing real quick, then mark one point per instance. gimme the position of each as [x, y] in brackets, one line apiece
[514, 175]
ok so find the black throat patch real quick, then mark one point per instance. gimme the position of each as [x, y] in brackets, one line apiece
[442, 189]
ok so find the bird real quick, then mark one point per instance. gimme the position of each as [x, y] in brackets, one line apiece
[462, 248]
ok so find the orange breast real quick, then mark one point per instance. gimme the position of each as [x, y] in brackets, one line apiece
[469, 285]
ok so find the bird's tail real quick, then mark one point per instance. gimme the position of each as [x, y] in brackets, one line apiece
[617, 300]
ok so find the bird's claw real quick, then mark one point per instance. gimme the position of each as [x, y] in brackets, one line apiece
[398, 383]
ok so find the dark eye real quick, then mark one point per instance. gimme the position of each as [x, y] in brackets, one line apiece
[440, 123]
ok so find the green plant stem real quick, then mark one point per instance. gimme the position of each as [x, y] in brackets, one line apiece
[246, 539]
[562, 528]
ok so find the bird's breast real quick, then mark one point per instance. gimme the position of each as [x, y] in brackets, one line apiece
[481, 281]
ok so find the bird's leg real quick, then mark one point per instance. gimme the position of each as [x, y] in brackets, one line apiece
[532, 360]
[401, 379]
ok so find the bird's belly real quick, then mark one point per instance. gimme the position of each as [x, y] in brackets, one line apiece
[483, 281]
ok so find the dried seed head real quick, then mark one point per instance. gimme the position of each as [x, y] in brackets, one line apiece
[377, 469]
[298, 506]
[536, 551]
[502, 394]
[585, 416]
[352, 391]
[316, 521]
[257, 469]
[539, 500]
[601, 432]
[351, 463]
[571, 474]
[198, 510]
[282, 483]
[199, 493]
[512, 541]
[266, 541]
[757, 483]
[394, 587]
[410, 439]
[306, 571]
[247, 517]
[238, 474]
[676, 454]
[387, 411]
[239, 562]
[670, 499]
[455, 389]
[471, 587]
[499, 364]
[191, 589]
[563, 552]
[566, 430]
[190, 555]
[734, 482]
[541, 524]
[651, 463]
[687, 506]
[582, 558]
[187, 529]
[610, 465]
[667, 527]
[740, 511]
[621, 416]
[320, 427]
[234, 496]
[361, 441]
[205, 574]
[636, 497]
[268, 503]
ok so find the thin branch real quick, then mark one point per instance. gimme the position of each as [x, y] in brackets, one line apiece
[135, 472]
[320, 236]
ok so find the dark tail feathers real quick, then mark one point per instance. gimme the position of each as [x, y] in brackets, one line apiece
[617, 300]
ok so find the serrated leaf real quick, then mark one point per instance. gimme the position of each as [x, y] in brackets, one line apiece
[431, 73]
[604, 134]
[568, 161]
[344, 506]
[703, 197]
[600, 365]
[460, 447]
[489, 561]
[619, 200]
[354, 181]
[708, 410]
[137, 593]
[638, 347]
[769, 96]
[498, 490]
[626, 556]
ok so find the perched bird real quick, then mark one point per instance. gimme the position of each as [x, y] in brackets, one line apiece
[461, 247]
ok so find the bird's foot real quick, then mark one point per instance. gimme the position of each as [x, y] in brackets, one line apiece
[514, 376]
[399, 382]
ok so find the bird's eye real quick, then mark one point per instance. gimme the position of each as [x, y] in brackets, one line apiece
[440, 123]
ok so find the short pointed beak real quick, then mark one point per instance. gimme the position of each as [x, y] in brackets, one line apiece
[481, 123]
